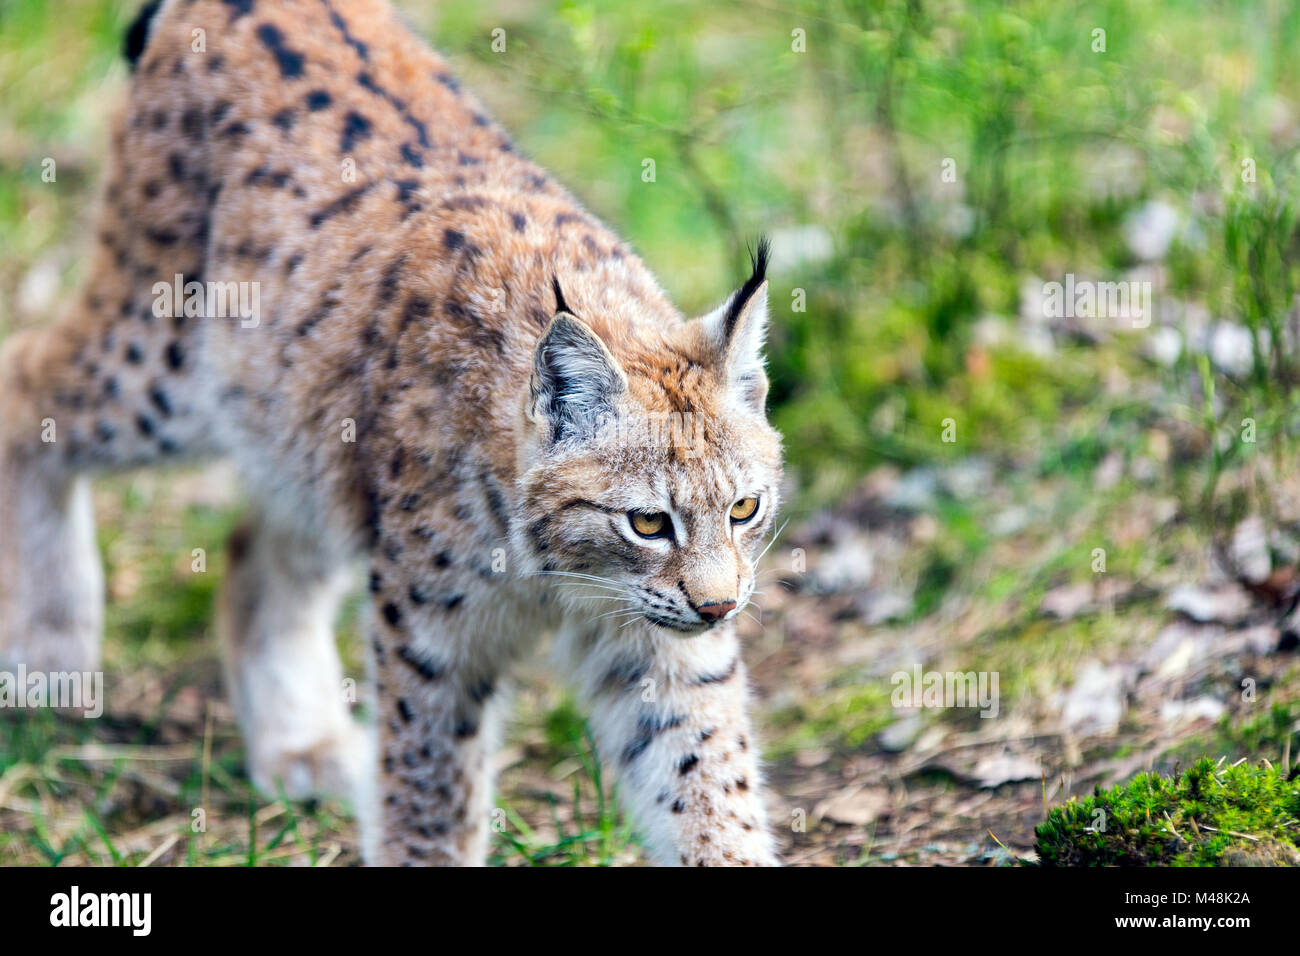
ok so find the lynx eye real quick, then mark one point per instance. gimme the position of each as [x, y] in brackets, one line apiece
[743, 510]
[650, 524]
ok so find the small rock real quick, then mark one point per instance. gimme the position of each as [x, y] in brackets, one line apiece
[1250, 551]
[1109, 472]
[902, 733]
[847, 566]
[968, 478]
[997, 769]
[1179, 660]
[857, 806]
[1066, 601]
[1202, 708]
[881, 606]
[916, 491]
[1226, 605]
[1095, 704]
[1267, 852]
[1009, 521]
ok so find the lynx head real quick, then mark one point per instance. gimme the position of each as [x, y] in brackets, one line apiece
[650, 478]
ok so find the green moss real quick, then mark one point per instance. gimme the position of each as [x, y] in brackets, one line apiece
[1206, 816]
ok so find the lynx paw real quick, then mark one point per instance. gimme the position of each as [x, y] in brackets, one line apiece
[338, 765]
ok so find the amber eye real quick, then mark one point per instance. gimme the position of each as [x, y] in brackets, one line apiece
[650, 524]
[743, 510]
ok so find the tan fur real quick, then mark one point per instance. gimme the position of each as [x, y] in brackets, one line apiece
[414, 308]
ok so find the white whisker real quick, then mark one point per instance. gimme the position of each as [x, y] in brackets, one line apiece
[773, 541]
[583, 577]
[598, 587]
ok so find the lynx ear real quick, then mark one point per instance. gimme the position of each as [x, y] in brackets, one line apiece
[575, 379]
[738, 329]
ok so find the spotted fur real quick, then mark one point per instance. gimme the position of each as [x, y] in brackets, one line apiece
[444, 340]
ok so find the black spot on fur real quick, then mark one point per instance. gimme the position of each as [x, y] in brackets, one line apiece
[405, 191]
[392, 614]
[175, 355]
[285, 119]
[341, 25]
[416, 309]
[192, 122]
[345, 203]
[355, 129]
[687, 764]
[404, 709]
[289, 61]
[719, 678]
[161, 400]
[238, 8]
[318, 99]
[518, 221]
[162, 237]
[453, 239]
[145, 424]
[421, 133]
[421, 666]
[411, 156]
[624, 674]
[134, 354]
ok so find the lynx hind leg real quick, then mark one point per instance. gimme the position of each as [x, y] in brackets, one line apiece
[108, 386]
[51, 580]
[275, 619]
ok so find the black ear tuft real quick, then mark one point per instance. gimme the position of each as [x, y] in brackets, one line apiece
[560, 304]
[742, 296]
[137, 35]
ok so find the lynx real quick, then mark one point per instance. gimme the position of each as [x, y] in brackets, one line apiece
[318, 258]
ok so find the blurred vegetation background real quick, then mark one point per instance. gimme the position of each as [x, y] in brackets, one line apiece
[924, 168]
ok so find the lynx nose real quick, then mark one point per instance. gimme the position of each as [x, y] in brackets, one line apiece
[715, 611]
